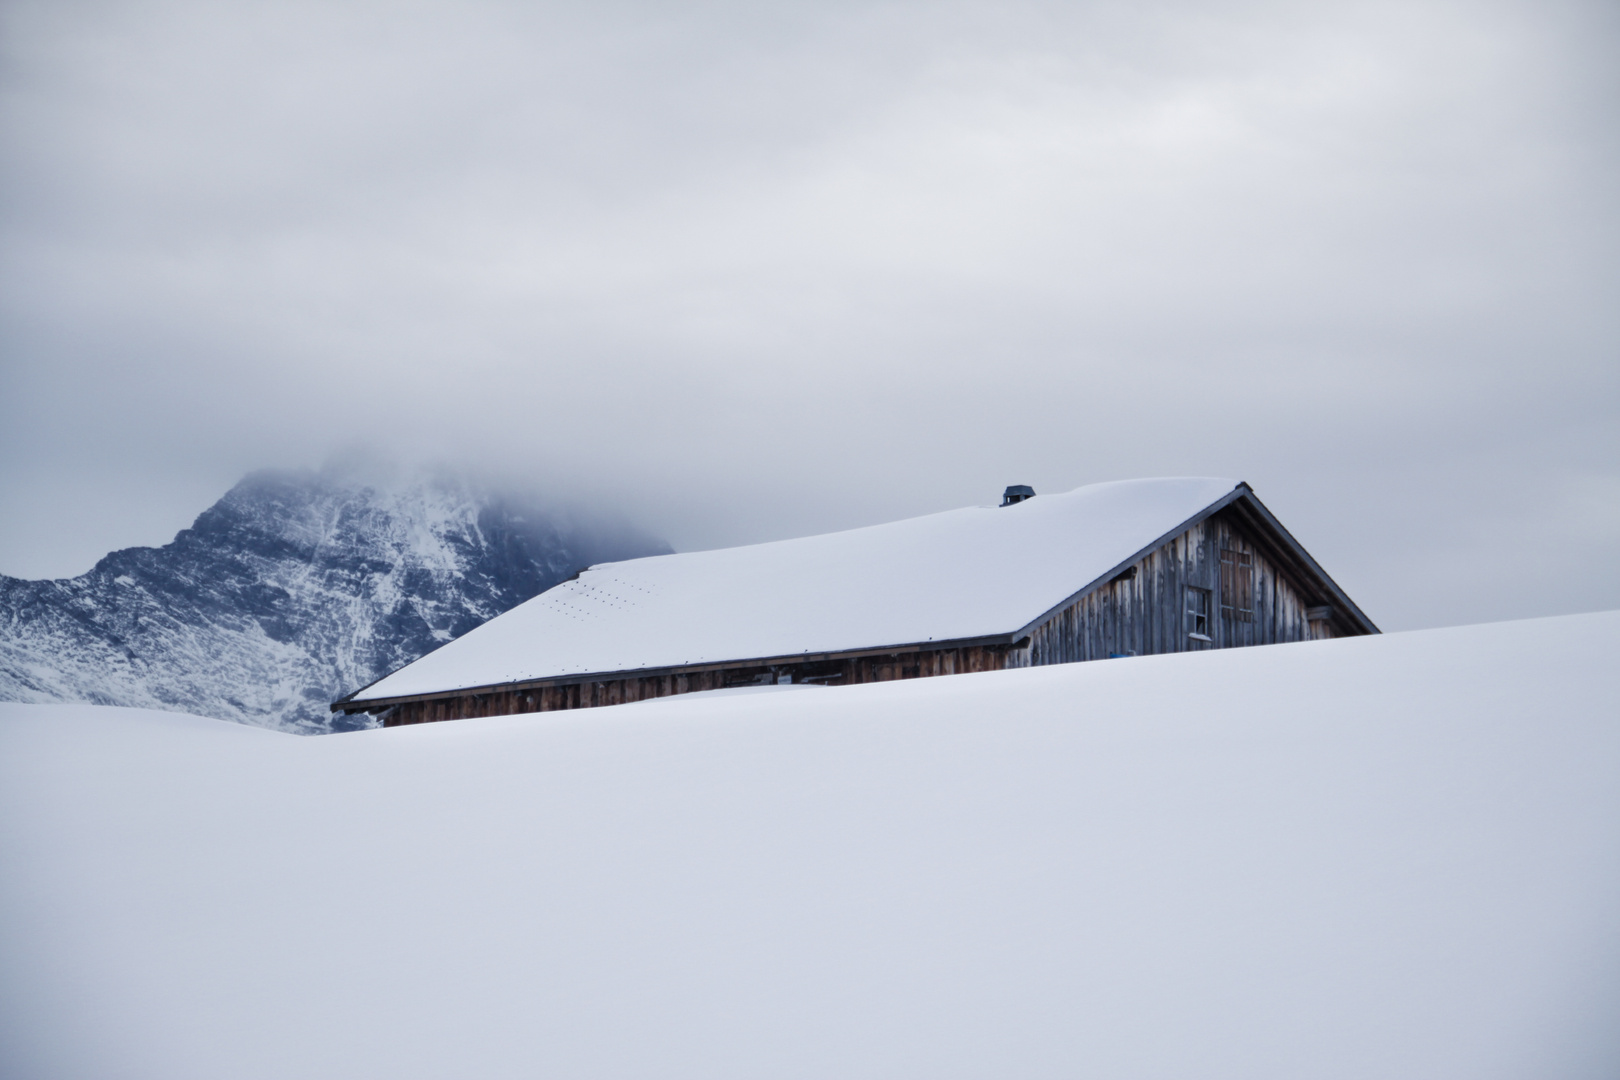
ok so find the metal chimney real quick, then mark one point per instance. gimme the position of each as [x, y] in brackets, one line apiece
[1017, 493]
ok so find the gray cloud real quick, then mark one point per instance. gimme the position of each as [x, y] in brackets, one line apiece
[757, 271]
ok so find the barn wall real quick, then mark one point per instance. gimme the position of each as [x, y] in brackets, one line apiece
[1144, 610]
[913, 664]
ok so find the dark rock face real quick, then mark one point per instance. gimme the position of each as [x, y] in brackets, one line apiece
[292, 590]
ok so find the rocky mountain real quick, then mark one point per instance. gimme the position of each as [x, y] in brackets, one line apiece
[292, 590]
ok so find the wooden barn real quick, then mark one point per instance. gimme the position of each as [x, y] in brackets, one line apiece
[1110, 570]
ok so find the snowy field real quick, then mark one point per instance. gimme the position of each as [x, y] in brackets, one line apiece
[1385, 857]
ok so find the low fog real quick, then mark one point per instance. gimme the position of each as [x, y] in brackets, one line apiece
[742, 272]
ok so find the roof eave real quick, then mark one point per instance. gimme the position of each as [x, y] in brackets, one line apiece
[350, 704]
[1345, 610]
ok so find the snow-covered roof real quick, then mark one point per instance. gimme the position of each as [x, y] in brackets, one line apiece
[971, 573]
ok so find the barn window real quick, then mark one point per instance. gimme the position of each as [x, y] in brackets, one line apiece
[1197, 613]
[1237, 585]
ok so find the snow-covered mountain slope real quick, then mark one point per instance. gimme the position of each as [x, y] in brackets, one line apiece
[1393, 857]
[292, 590]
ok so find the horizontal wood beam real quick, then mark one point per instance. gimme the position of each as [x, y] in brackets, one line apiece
[353, 704]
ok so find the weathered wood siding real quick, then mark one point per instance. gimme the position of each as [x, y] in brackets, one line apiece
[1145, 609]
[555, 696]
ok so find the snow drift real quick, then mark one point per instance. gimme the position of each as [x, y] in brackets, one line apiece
[1391, 856]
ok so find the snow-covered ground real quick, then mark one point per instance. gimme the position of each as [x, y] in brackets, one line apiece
[1389, 857]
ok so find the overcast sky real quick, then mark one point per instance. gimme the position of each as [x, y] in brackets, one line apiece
[756, 270]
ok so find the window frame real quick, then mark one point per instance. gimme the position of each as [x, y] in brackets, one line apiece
[1197, 612]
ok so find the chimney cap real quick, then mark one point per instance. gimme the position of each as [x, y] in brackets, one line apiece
[1017, 493]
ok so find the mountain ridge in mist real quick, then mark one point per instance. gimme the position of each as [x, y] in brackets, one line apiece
[292, 589]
